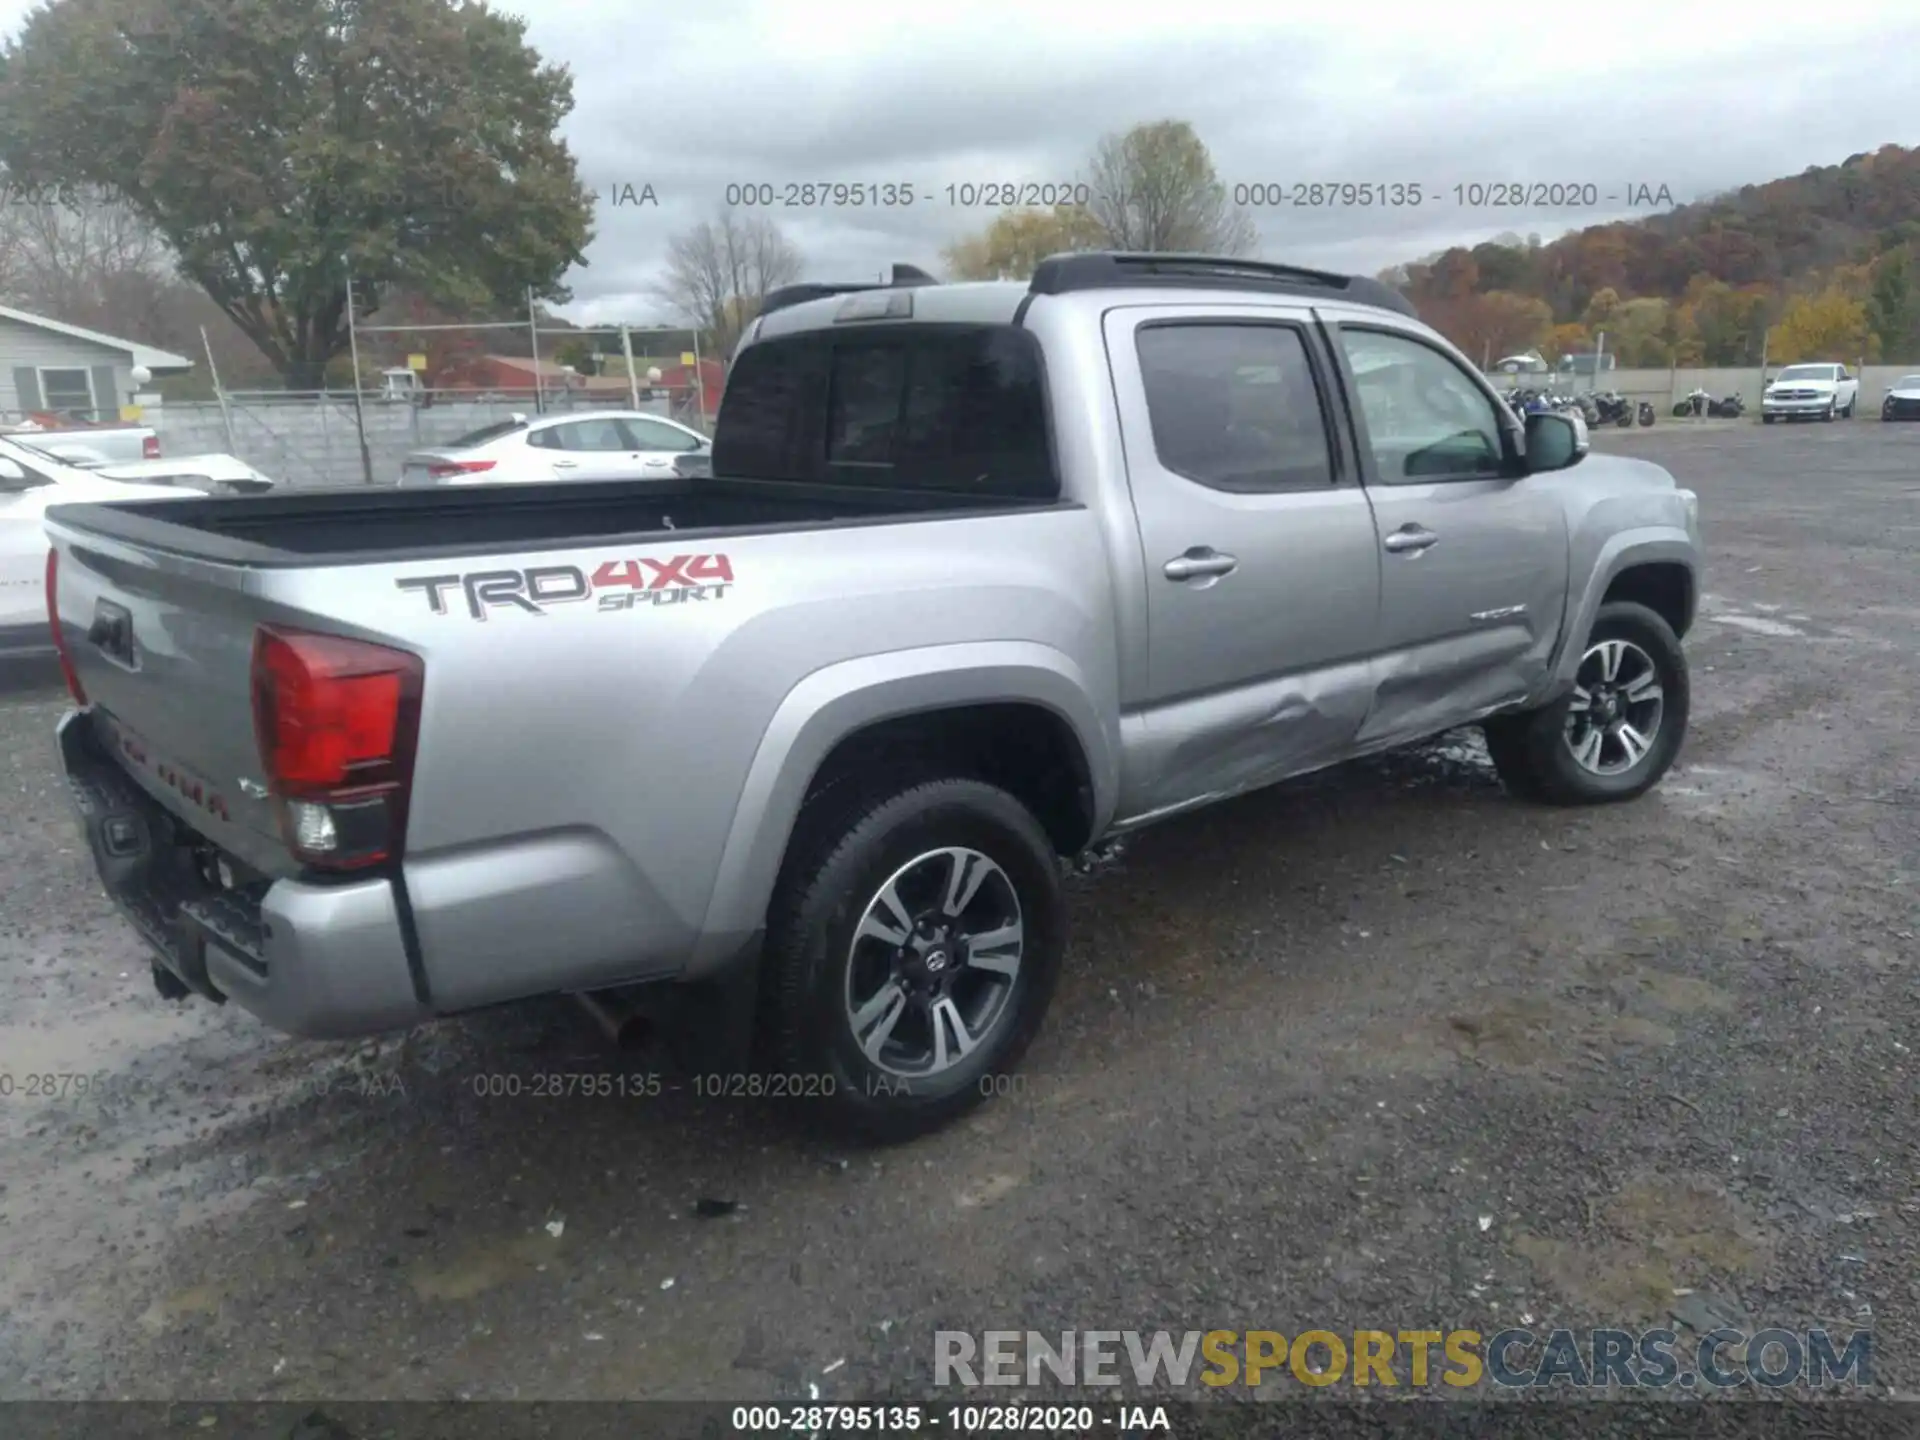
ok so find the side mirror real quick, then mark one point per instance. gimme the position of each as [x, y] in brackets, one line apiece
[1555, 441]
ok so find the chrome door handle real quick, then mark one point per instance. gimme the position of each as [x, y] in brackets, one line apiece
[1410, 537]
[1197, 562]
[566, 464]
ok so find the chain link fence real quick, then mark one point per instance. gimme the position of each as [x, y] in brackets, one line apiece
[310, 438]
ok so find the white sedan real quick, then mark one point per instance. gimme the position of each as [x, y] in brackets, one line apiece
[592, 445]
[30, 481]
[214, 473]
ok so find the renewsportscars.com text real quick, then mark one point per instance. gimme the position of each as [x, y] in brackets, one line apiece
[1459, 1359]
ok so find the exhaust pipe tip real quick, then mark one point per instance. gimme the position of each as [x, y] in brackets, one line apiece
[625, 1027]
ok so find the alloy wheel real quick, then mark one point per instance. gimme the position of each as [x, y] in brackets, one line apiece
[1614, 714]
[932, 968]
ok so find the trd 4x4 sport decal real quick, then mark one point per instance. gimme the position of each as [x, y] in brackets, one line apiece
[641, 584]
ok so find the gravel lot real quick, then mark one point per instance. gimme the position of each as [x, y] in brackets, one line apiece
[1306, 1042]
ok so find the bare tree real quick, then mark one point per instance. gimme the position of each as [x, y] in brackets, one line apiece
[86, 260]
[1154, 188]
[722, 270]
[89, 260]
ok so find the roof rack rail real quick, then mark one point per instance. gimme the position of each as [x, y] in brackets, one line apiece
[1111, 269]
[790, 295]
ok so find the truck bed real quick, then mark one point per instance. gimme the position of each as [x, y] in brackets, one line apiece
[345, 527]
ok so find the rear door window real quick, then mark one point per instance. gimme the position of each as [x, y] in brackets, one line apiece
[645, 434]
[596, 435]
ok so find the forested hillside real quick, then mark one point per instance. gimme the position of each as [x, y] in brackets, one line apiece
[1822, 265]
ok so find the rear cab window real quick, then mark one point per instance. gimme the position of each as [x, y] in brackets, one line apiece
[952, 408]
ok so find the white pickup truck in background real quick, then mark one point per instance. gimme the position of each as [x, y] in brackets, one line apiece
[30, 481]
[88, 446]
[1810, 392]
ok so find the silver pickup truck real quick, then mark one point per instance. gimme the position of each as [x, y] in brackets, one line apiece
[785, 761]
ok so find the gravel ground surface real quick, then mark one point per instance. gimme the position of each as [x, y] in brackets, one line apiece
[1383, 1048]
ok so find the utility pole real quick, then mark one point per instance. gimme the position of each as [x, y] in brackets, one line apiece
[533, 336]
[633, 380]
[699, 381]
[359, 416]
[219, 391]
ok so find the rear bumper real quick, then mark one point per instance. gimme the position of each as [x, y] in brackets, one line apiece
[327, 961]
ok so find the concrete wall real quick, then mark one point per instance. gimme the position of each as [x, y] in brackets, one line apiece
[307, 440]
[1664, 387]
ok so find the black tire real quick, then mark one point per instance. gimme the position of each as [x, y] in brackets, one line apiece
[838, 865]
[1532, 753]
[1827, 415]
[1506, 737]
[1767, 419]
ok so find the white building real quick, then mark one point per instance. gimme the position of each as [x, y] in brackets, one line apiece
[47, 365]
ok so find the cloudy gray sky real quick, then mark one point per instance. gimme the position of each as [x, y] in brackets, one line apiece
[1698, 97]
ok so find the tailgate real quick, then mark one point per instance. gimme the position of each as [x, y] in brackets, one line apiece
[163, 646]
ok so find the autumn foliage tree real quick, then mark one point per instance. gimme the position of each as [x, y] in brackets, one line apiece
[1017, 240]
[1723, 269]
[1827, 326]
[1893, 307]
[278, 146]
[1151, 188]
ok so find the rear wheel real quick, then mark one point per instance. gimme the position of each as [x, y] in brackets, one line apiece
[1766, 419]
[913, 945]
[1616, 732]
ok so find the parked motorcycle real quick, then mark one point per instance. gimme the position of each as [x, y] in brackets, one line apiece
[1613, 408]
[1646, 412]
[1700, 402]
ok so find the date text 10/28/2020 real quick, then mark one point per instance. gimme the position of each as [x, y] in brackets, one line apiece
[1261, 195]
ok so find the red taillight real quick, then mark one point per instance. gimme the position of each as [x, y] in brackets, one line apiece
[74, 688]
[336, 720]
[150, 448]
[459, 467]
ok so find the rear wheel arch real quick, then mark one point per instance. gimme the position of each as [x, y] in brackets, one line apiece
[906, 707]
[1022, 747]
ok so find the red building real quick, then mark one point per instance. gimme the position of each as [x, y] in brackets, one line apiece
[515, 375]
[712, 380]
